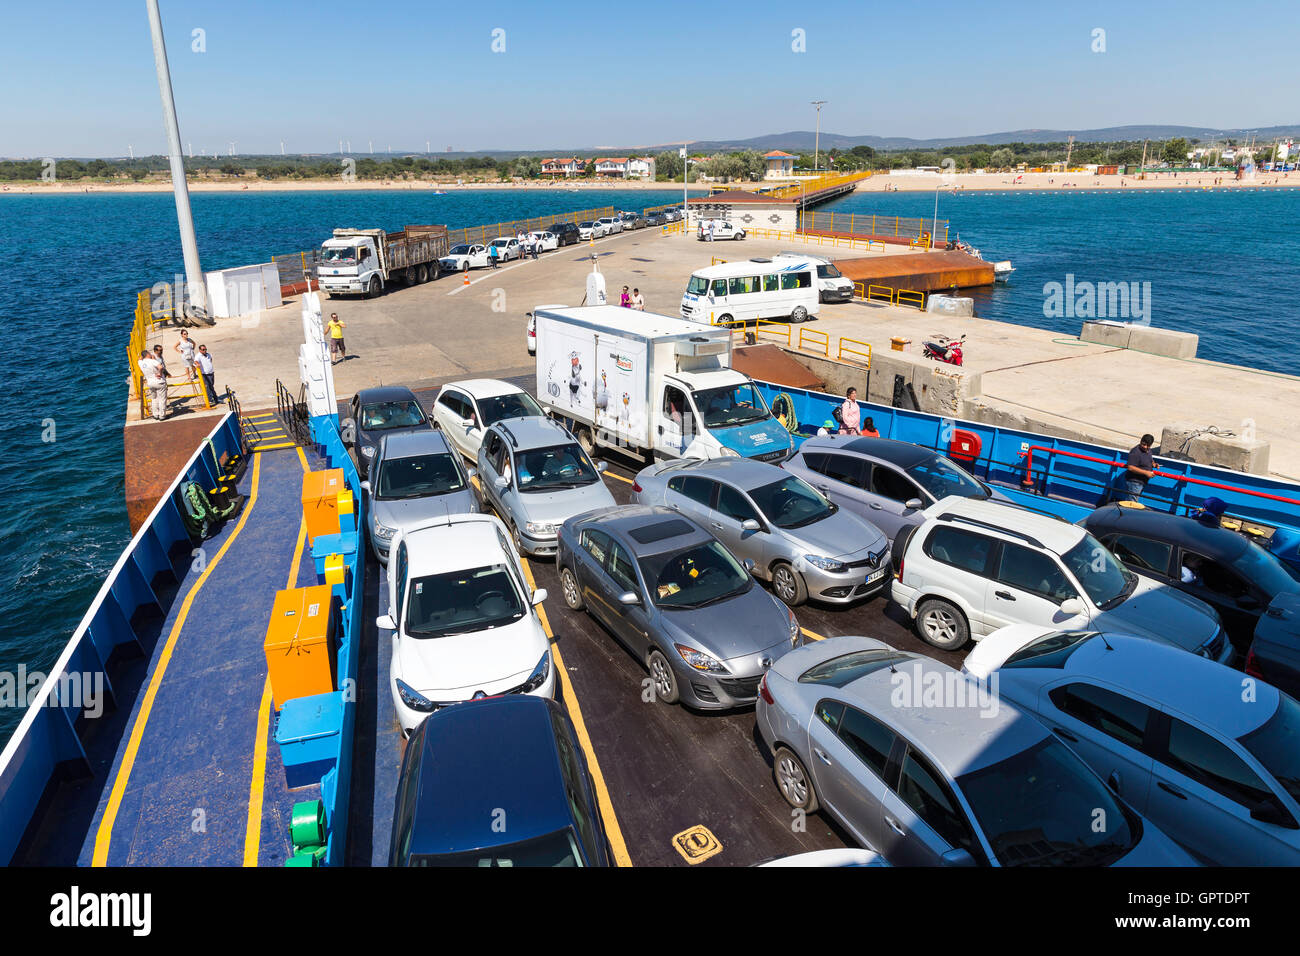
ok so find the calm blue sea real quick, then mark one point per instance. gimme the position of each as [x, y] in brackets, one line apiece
[1222, 264]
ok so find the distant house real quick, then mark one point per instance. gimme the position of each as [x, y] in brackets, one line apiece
[567, 168]
[641, 167]
[612, 167]
[779, 165]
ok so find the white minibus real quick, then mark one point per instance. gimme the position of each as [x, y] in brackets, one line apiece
[753, 289]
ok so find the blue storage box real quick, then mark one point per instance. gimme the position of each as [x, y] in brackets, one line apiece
[327, 544]
[309, 737]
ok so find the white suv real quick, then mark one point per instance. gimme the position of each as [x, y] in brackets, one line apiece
[974, 566]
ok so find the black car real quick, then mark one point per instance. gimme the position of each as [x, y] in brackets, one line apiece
[1275, 655]
[566, 232]
[376, 412]
[497, 782]
[1232, 574]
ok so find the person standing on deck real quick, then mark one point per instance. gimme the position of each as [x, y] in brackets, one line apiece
[638, 301]
[1140, 467]
[335, 328]
[869, 428]
[624, 299]
[186, 348]
[492, 256]
[850, 414]
[155, 380]
[208, 371]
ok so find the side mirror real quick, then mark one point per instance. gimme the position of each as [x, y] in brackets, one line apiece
[629, 598]
[750, 524]
[601, 466]
[539, 596]
[502, 483]
[386, 622]
[914, 504]
[1072, 606]
[471, 473]
[365, 486]
[748, 565]
[958, 856]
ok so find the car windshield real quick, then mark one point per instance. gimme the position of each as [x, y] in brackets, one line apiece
[458, 602]
[1042, 806]
[499, 243]
[554, 849]
[791, 503]
[1265, 571]
[698, 285]
[460, 250]
[1101, 574]
[418, 476]
[704, 574]
[549, 469]
[384, 415]
[941, 478]
[730, 405]
[828, 271]
[585, 225]
[339, 255]
[1277, 745]
[514, 405]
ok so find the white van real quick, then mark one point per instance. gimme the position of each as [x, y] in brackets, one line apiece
[753, 289]
[832, 284]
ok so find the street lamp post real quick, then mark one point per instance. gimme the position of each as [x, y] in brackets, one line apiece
[817, 137]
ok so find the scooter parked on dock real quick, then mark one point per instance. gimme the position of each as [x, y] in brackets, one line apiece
[944, 349]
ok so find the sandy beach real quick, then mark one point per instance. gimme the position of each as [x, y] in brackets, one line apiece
[904, 181]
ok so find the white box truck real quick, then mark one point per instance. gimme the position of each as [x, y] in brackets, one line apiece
[650, 386]
[365, 261]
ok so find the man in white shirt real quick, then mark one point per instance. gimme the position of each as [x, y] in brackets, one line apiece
[638, 300]
[155, 380]
[207, 370]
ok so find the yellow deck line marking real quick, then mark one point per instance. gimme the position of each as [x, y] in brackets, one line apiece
[261, 448]
[104, 836]
[813, 634]
[612, 830]
[260, 418]
[610, 474]
[257, 786]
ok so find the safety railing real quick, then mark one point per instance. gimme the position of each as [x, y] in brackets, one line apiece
[910, 297]
[883, 293]
[854, 350]
[870, 224]
[810, 187]
[293, 414]
[813, 337]
[778, 330]
[717, 261]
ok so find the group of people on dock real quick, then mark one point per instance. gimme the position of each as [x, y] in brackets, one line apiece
[197, 361]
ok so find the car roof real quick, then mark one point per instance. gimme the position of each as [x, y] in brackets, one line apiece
[454, 543]
[998, 517]
[744, 473]
[385, 393]
[420, 442]
[484, 387]
[1217, 543]
[904, 454]
[967, 730]
[627, 519]
[533, 431]
[1197, 687]
[476, 756]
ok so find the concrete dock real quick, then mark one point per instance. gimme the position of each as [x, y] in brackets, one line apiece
[1014, 376]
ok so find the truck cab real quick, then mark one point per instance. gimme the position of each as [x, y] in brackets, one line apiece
[348, 264]
[716, 413]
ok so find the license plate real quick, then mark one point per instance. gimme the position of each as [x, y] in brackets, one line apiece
[875, 575]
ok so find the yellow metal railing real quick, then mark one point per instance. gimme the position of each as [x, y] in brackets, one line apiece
[908, 297]
[815, 338]
[817, 184]
[878, 292]
[884, 293]
[778, 330]
[147, 320]
[717, 261]
[853, 349]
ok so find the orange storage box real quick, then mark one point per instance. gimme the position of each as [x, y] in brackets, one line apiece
[320, 501]
[300, 644]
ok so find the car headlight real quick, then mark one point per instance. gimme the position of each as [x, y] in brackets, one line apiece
[826, 564]
[412, 699]
[538, 677]
[383, 532]
[728, 452]
[795, 631]
[699, 660]
[539, 527]
[368, 451]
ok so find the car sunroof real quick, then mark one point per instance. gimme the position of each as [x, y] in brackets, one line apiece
[660, 530]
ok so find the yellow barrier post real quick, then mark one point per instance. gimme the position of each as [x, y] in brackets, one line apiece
[848, 351]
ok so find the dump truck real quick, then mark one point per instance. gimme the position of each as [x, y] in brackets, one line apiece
[365, 261]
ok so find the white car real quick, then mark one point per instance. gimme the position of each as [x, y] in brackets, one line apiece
[591, 230]
[507, 248]
[464, 620]
[973, 566]
[464, 410]
[547, 241]
[612, 224]
[465, 257]
[720, 229]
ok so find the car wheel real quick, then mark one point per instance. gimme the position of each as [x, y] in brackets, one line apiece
[464, 266]
[941, 624]
[793, 780]
[740, 235]
[725, 319]
[800, 314]
[372, 290]
[422, 275]
[661, 673]
[789, 585]
[569, 588]
[518, 539]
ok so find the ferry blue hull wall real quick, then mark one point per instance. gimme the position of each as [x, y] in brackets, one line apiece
[1066, 486]
[47, 741]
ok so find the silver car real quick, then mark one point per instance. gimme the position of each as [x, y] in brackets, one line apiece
[414, 477]
[536, 475]
[678, 600]
[930, 769]
[805, 545]
[885, 481]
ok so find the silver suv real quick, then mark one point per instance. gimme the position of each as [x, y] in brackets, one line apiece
[804, 544]
[536, 475]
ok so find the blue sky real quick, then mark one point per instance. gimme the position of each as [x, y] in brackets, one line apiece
[79, 76]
